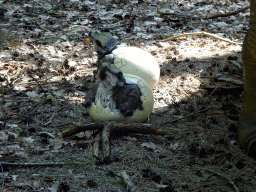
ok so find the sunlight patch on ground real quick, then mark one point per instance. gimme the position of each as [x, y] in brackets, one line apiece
[195, 48]
[176, 89]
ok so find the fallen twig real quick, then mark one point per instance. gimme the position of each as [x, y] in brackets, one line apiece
[50, 121]
[209, 17]
[108, 129]
[238, 106]
[173, 14]
[51, 164]
[225, 177]
[130, 185]
[96, 145]
[202, 33]
[52, 117]
[235, 64]
[10, 79]
[45, 134]
[122, 128]
[231, 80]
[32, 164]
[217, 86]
[226, 14]
[30, 75]
[112, 26]
[116, 129]
[79, 128]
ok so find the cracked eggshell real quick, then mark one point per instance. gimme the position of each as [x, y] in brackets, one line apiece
[98, 113]
[136, 61]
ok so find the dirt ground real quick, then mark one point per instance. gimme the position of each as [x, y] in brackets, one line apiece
[46, 69]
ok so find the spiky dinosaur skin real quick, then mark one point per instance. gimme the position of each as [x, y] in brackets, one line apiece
[125, 96]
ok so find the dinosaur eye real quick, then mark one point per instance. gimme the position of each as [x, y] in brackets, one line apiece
[98, 43]
[119, 75]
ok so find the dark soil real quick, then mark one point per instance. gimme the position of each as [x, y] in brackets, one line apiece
[46, 69]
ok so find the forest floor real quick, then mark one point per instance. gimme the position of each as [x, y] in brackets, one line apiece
[46, 68]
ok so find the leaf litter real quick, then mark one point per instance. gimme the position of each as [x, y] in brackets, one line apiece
[46, 68]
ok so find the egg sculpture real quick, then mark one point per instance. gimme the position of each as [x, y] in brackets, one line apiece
[130, 60]
[105, 109]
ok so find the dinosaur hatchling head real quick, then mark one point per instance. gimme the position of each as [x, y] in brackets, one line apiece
[110, 76]
[103, 42]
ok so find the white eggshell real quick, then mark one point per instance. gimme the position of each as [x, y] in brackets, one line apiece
[136, 61]
[98, 113]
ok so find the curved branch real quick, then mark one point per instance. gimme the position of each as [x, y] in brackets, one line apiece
[202, 33]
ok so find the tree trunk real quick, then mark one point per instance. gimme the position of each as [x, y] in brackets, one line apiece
[247, 126]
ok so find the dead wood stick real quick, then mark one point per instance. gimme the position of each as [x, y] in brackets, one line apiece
[227, 14]
[136, 128]
[105, 139]
[32, 164]
[96, 146]
[52, 117]
[217, 86]
[51, 164]
[46, 134]
[113, 26]
[231, 80]
[117, 128]
[19, 70]
[238, 106]
[39, 84]
[202, 33]
[225, 177]
[210, 17]
[31, 75]
[173, 14]
[50, 121]
[130, 185]
[236, 64]
[9, 78]
[79, 128]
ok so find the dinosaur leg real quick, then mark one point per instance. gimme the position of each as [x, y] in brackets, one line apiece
[247, 126]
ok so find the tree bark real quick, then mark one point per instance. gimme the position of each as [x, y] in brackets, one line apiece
[247, 126]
